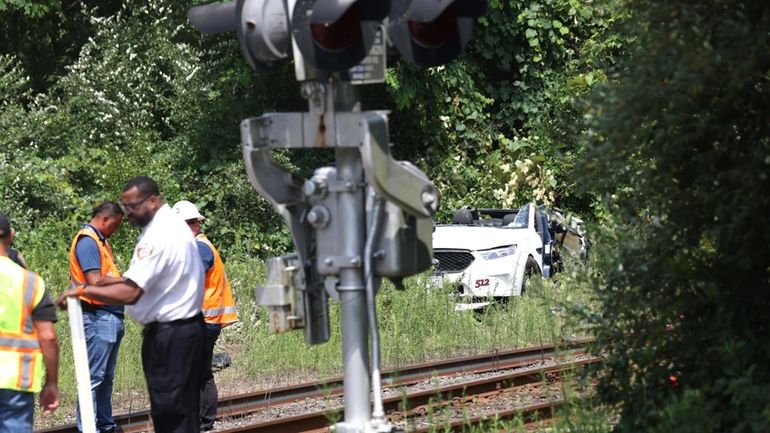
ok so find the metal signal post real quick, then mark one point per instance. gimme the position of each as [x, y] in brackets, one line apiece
[366, 218]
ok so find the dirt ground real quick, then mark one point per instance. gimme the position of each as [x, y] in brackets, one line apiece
[231, 381]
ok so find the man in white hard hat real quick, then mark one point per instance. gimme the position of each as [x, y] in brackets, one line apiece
[218, 306]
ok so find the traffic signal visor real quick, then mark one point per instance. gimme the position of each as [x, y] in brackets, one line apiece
[433, 32]
[335, 35]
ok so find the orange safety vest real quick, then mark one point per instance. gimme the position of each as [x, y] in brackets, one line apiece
[218, 304]
[21, 359]
[109, 269]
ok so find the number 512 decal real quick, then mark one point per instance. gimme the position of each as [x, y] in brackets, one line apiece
[482, 282]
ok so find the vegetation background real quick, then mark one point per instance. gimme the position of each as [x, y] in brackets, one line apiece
[649, 117]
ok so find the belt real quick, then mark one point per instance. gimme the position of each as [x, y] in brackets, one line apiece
[88, 307]
[157, 326]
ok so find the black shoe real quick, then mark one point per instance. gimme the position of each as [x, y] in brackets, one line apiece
[220, 361]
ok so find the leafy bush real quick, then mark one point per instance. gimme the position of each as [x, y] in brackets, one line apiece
[142, 98]
[678, 154]
[511, 98]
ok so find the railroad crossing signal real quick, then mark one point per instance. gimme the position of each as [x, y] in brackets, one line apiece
[369, 216]
[333, 36]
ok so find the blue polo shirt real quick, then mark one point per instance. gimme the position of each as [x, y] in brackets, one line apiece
[207, 256]
[90, 259]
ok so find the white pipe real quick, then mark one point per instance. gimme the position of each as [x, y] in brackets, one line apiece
[82, 373]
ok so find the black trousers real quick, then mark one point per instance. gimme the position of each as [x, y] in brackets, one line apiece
[208, 386]
[172, 354]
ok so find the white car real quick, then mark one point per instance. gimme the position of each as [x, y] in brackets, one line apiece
[490, 254]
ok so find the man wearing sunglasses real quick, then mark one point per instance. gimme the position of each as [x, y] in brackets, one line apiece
[163, 290]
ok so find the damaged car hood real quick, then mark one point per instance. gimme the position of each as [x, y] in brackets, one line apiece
[475, 238]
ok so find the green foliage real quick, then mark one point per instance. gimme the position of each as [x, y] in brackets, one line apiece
[511, 98]
[46, 35]
[671, 150]
[31, 186]
[33, 8]
[142, 98]
[678, 151]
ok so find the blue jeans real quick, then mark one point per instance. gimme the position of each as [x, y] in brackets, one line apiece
[103, 331]
[16, 408]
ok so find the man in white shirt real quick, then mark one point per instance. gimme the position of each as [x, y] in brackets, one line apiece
[163, 288]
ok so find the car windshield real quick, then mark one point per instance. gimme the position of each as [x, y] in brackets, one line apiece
[522, 218]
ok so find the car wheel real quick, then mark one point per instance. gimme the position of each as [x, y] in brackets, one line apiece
[530, 271]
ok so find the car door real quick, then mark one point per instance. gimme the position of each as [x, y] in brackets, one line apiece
[532, 244]
[543, 229]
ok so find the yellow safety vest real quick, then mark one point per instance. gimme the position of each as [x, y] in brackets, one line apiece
[218, 303]
[109, 269]
[21, 360]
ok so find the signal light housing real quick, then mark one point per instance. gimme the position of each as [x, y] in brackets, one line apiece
[339, 35]
[433, 32]
[436, 33]
[335, 35]
[263, 32]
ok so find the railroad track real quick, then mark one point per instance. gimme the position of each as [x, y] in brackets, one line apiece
[446, 406]
[250, 403]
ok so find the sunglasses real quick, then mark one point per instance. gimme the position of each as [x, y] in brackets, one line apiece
[133, 205]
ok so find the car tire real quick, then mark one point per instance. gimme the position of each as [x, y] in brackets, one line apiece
[530, 270]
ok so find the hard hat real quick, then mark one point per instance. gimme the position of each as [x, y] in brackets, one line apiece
[187, 211]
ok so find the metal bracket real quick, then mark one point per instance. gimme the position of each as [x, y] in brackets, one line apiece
[283, 190]
[399, 182]
[278, 186]
[330, 285]
[332, 264]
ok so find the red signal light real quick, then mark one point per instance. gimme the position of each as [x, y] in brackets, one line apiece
[673, 380]
[341, 34]
[437, 32]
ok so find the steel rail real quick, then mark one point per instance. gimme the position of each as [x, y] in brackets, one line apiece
[530, 414]
[412, 403]
[242, 404]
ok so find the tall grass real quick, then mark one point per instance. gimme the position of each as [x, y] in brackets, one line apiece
[416, 324]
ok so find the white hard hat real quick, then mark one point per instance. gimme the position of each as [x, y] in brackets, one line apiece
[187, 211]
